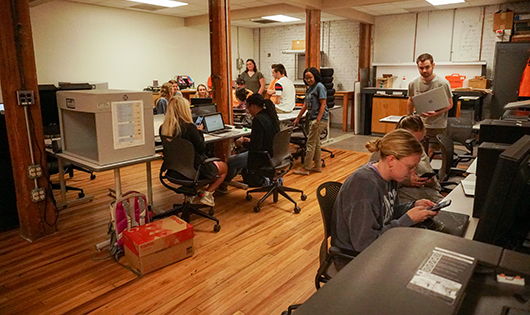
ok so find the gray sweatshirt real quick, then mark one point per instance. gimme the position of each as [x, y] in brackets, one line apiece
[366, 206]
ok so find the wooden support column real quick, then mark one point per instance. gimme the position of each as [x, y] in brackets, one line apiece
[18, 73]
[219, 12]
[312, 38]
[365, 47]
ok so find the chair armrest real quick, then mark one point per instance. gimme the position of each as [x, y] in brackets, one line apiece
[211, 160]
[335, 251]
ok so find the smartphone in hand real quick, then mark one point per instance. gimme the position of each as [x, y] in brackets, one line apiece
[427, 175]
[198, 122]
[440, 205]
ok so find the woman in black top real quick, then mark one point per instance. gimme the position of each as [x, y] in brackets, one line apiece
[178, 123]
[265, 126]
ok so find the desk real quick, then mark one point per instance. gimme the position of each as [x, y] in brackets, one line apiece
[61, 157]
[462, 204]
[375, 282]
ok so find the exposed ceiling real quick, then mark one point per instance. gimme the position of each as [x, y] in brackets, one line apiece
[244, 12]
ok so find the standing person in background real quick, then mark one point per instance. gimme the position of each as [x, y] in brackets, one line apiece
[202, 92]
[435, 121]
[317, 116]
[175, 90]
[179, 123]
[270, 90]
[416, 187]
[253, 78]
[368, 204]
[285, 92]
[161, 102]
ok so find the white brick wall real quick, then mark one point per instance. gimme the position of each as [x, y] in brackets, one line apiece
[339, 42]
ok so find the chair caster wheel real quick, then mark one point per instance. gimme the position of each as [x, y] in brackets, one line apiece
[92, 176]
[332, 155]
[323, 164]
[216, 228]
[303, 197]
[257, 209]
[248, 197]
[297, 210]
[81, 195]
[211, 212]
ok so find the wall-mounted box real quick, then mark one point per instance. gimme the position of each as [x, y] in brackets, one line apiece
[503, 20]
[298, 44]
[106, 126]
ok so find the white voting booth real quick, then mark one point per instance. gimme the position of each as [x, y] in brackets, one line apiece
[106, 126]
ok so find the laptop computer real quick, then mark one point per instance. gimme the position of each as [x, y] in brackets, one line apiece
[432, 100]
[468, 184]
[213, 124]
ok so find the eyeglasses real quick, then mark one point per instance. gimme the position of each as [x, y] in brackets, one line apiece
[410, 168]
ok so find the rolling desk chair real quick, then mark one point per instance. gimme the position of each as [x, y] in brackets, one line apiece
[299, 139]
[449, 172]
[279, 165]
[178, 169]
[53, 168]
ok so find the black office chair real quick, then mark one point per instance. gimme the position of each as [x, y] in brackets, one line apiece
[299, 139]
[178, 169]
[279, 164]
[460, 130]
[53, 168]
[449, 173]
[326, 195]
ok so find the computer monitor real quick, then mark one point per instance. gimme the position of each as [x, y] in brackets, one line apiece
[505, 217]
[48, 108]
[201, 110]
[201, 100]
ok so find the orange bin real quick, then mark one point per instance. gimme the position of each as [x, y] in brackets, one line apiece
[456, 80]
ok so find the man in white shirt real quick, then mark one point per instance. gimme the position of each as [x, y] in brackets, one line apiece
[284, 90]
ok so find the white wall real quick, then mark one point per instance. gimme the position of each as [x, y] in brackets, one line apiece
[80, 42]
[339, 42]
[455, 35]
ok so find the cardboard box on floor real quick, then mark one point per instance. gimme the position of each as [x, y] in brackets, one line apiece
[158, 244]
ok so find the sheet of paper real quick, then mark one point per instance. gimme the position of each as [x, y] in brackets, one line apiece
[128, 124]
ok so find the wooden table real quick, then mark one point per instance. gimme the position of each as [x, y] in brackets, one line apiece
[346, 97]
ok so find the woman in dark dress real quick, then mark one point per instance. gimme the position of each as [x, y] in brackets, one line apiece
[179, 123]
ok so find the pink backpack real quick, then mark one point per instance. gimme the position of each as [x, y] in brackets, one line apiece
[127, 211]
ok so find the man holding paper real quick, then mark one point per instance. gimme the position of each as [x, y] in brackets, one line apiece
[435, 120]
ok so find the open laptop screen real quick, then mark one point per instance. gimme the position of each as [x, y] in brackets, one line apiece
[213, 122]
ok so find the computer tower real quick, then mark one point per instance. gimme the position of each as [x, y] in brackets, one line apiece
[8, 206]
[487, 158]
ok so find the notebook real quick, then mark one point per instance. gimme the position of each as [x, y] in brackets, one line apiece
[432, 100]
[213, 124]
[447, 222]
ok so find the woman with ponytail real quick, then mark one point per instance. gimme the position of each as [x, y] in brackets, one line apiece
[367, 204]
[265, 125]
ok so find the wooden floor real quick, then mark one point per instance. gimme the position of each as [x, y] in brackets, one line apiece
[259, 263]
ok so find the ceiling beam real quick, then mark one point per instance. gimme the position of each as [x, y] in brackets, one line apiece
[352, 14]
[247, 14]
[341, 4]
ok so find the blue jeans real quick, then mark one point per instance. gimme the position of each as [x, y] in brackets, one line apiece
[235, 164]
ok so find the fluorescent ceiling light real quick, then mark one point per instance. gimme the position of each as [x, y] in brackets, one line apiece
[444, 2]
[162, 3]
[280, 18]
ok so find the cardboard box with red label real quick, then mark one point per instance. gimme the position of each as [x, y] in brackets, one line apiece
[157, 244]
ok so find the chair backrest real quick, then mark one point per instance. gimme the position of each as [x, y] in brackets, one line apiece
[447, 148]
[460, 130]
[280, 146]
[179, 156]
[326, 196]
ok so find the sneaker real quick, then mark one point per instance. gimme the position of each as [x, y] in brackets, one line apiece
[207, 199]
[222, 189]
[316, 169]
[301, 171]
[189, 199]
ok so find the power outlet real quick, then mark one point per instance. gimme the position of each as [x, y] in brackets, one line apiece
[25, 98]
[38, 195]
[34, 171]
